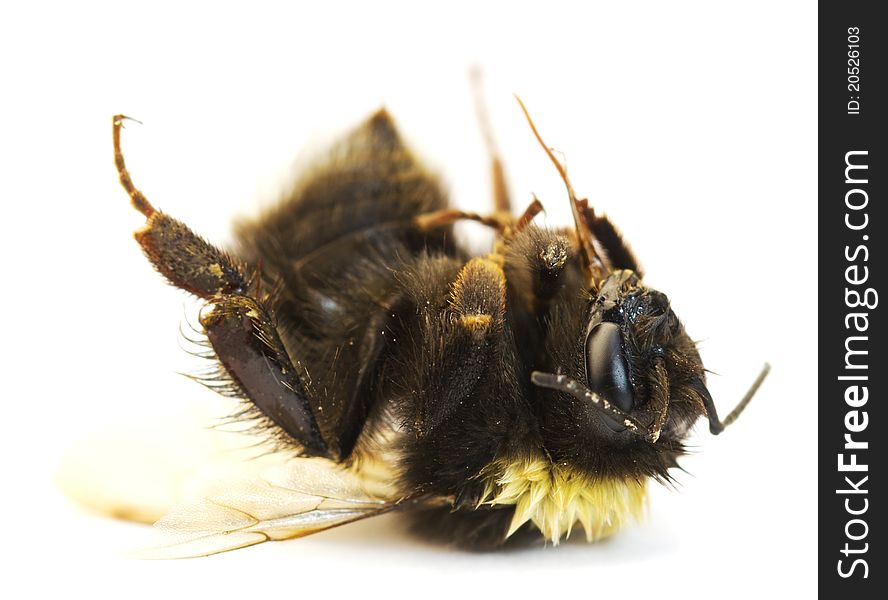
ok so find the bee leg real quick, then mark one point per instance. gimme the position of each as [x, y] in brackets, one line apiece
[185, 259]
[239, 327]
[501, 201]
[502, 222]
[478, 295]
[533, 209]
[247, 343]
[461, 344]
[535, 266]
[448, 216]
[609, 239]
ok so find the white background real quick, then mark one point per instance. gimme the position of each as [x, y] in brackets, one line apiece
[692, 125]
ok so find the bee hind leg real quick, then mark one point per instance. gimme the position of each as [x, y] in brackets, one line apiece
[239, 326]
[244, 337]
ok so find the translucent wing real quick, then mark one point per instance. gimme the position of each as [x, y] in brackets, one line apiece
[208, 490]
[139, 472]
[299, 498]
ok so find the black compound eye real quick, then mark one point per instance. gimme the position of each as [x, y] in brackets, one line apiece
[607, 372]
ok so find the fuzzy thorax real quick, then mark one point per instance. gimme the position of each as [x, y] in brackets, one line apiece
[556, 497]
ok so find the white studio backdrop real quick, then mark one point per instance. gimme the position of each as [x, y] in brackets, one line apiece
[693, 125]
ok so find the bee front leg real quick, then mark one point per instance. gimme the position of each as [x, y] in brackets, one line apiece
[609, 239]
[239, 327]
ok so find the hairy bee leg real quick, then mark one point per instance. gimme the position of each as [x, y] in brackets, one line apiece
[535, 263]
[478, 295]
[239, 327]
[609, 240]
[463, 343]
[187, 260]
[184, 258]
[373, 345]
[248, 346]
[501, 201]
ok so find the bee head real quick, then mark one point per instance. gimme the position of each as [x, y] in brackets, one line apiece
[631, 381]
[631, 384]
[638, 357]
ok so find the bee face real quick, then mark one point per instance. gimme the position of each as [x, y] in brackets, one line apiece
[637, 352]
[643, 380]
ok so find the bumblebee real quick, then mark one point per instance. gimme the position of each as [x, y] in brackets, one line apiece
[509, 396]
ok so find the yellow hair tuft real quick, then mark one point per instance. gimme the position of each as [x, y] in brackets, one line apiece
[555, 497]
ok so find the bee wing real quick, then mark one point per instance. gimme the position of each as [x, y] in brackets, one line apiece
[139, 472]
[208, 491]
[299, 498]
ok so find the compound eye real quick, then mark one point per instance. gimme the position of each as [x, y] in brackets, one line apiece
[607, 372]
